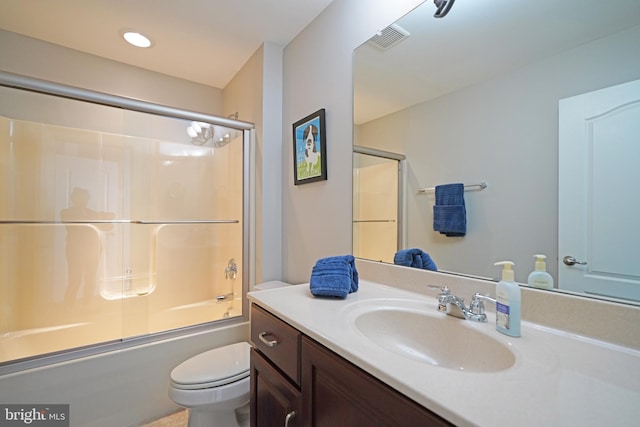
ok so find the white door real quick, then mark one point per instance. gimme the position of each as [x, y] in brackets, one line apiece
[599, 192]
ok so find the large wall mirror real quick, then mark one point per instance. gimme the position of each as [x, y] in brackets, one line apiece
[490, 93]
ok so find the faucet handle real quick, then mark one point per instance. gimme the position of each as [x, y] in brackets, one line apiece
[442, 296]
[477, 303]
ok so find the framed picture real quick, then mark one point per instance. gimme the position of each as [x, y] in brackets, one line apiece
[309, 149]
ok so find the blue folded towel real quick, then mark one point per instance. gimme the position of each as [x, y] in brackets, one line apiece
[416, 258]
[334, 277]
[449, 212]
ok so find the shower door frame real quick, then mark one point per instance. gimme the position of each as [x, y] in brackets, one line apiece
[401, 159]
[17, 81]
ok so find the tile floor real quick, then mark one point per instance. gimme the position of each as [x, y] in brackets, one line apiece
[180, 418]
[177, 419]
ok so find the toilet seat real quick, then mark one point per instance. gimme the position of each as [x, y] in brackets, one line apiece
[213, 368]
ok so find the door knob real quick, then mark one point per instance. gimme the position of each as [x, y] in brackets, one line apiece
[569, 260]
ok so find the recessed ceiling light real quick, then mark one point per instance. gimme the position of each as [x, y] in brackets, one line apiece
[136, 39]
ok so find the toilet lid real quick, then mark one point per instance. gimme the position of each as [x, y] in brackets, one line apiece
[213, 368]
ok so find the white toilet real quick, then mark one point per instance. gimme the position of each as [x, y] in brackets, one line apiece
[212, 385]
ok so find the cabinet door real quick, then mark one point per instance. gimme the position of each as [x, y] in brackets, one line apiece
[338, 394]
[274, 400]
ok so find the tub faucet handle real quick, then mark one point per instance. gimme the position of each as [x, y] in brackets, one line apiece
[231, 271]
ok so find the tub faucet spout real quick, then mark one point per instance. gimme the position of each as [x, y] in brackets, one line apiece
[225, 297]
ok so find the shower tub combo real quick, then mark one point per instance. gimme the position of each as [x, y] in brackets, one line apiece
[120, 222]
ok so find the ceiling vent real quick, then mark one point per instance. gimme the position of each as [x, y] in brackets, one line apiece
[389, 37]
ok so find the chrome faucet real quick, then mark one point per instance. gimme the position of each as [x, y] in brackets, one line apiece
[230, 272]
[454, 306]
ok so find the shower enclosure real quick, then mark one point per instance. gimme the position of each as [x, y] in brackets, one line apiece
[120, 220]
[377, 203]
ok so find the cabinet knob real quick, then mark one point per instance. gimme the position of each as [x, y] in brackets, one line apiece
[291, 415]
[268, 342]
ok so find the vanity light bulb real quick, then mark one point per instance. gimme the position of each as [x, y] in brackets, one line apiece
[192, 132]
[196, 126]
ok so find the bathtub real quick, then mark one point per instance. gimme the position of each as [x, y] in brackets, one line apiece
[194, 313]
[27, 342]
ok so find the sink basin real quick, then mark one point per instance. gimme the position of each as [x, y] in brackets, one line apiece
[434, 339]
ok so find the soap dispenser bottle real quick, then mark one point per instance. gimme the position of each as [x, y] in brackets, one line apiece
[539, 278]
[508, 302]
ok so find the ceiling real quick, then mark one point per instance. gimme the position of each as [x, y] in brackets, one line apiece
[478, 40]
[205, 41]
[208, 41]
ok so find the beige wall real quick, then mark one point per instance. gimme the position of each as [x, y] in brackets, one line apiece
[255, 93]
[318, 66]
[42, 60]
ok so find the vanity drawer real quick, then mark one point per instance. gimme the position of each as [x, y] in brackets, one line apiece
[277, 341]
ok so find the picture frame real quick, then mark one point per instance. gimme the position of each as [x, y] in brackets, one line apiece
[310, 149]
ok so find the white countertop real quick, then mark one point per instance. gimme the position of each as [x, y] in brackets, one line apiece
[558, 379]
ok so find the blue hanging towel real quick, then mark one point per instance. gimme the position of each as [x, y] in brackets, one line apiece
[334, 277]
[416, 258]
[449, 212]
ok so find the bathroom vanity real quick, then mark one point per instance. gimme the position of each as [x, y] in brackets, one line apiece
[387, 356]
[296, 381]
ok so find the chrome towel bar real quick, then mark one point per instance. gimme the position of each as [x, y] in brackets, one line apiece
[480, 186]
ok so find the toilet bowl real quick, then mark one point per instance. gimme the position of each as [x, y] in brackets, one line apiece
[212, 385]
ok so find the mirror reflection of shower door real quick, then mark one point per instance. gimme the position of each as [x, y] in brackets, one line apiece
[377, 204]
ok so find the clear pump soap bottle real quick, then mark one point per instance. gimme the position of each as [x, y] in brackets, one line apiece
[508, 302]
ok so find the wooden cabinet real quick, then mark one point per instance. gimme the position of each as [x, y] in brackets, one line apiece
[274, 400]
[337, 393]
[275, 371]
[296, 381]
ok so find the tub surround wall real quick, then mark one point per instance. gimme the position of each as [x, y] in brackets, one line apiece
[593, 318]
